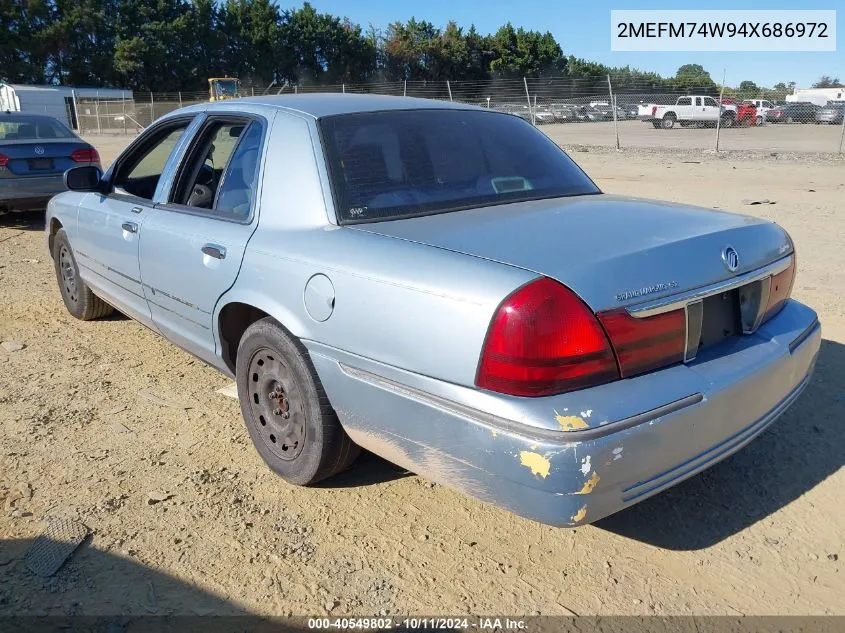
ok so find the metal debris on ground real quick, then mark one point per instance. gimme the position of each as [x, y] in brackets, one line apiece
[54, 546]
[230, 391]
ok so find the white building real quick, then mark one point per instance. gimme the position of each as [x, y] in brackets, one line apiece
[819, 96]
[60, 102]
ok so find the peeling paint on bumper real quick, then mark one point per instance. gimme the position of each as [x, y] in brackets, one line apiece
[576, 477]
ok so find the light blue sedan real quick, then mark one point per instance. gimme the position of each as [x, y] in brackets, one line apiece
[440, 284]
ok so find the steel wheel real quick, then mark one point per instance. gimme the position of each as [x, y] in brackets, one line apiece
[68, 272]
[77, 296]
[276, 405]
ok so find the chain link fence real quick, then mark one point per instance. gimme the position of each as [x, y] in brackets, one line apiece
[606, 111]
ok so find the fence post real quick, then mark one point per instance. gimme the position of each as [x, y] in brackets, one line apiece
[719, 120]
[253, 91]
[528, 98]
[449, 88]
[76, 112]
[296, 90]
[152, 109]
[180, 99]
[615, 117]
[842, 135]
[123, 107]
[405, 89]
[343, 88]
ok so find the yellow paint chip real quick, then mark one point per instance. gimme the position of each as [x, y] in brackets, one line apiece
[570, 422]
[579, 516]
[590, 484]
[538, 464]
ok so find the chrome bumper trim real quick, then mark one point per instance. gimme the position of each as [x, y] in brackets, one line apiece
[679, 301]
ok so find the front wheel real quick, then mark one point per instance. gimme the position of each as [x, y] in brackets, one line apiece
[287, 413]
[759, 120]
[727, 121]
[79, 300]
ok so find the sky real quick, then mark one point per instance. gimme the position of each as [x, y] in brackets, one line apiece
[583, 29]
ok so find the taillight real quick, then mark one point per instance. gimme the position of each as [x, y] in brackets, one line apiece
[780, 289]
[544, 340]
[85, 155]
[4, 160]
[648, 343]
[653, 110]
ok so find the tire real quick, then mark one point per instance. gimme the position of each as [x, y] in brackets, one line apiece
[668, 122]
[286, 410]
[655, 125]
[79, 300]
[759, 120]
[789, 119]
[727, 121]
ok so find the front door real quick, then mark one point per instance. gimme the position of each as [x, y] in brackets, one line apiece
[109, 222]
[193, 244]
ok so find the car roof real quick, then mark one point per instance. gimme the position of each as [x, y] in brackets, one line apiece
[319, 105]
[24, 116]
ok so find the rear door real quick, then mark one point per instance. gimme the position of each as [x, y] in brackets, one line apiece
[710, 109]
[109, 222]
[193, 243]
[684, 108]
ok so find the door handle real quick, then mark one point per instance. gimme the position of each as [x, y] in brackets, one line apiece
[136, 209]
[215, 251]
[131, 227]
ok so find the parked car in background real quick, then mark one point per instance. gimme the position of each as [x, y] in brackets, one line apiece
[832, 113]
[592, 114]
[746, 114]
[521, 111]
[466, 303]
[543, 115]
[793, 113]
[631, 109]
[35, 152]
[763, 106]
[694, 110]
[564, 113]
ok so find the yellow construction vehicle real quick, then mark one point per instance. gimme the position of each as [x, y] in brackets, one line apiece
[223, 88]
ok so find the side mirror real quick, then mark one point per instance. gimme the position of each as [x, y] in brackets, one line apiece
[86, 178]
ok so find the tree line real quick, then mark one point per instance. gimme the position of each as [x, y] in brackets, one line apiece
[175, 45]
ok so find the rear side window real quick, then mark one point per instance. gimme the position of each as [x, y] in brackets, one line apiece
[404, 163]
[685, 101]
[32, 128]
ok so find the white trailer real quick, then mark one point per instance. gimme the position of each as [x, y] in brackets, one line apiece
[59, 102]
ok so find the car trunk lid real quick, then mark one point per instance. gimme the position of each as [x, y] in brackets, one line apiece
[611, 250]
[40, 157]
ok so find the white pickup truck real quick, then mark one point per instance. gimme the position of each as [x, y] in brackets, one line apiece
[698, 111]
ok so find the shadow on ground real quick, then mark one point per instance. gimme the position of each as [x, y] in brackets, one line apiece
[368, 469]
[98, 591]
[22, 221]
[800, 450]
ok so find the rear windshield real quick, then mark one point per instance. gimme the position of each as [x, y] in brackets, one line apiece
[404, 163]
[31, 128]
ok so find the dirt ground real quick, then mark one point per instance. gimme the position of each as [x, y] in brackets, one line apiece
[771, 137]
[106, 422]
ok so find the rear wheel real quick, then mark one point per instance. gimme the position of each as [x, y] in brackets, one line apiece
[655, 125]
[79, 300]
[287, 413]
[668, 122]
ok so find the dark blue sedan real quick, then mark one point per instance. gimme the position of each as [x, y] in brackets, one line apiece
[35, 152]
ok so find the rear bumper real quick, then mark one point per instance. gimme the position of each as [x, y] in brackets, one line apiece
[27, 193]
[703, 412]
